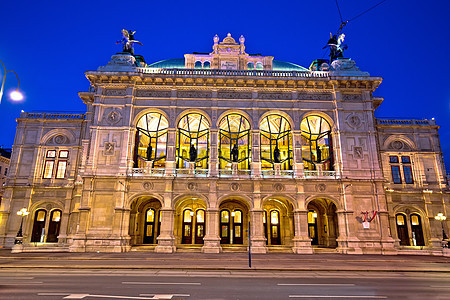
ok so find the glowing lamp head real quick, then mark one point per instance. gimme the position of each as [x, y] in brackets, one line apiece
[16, 96]
[440, 217]
[23, 212]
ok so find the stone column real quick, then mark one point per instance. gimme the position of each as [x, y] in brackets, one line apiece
[212, 239]
[302, 241]
[257, 231]
[298, 159]
[347, 240]
[214, 153]
[166, 240]
[256, 161]
[171, 149]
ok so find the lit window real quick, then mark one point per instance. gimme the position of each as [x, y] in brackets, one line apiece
[193, 141]
[150, 215]
[63, 154]
[48, 168]
[415, 220]
[237, 216]
[274, 217]
[276, 142]
[187, 216]
[40, 216]
[316, 143]
[200, 216]
[234, 142]
[400, 220]
[61, 169]
[151, 140]
[56, 216]
[51, 154]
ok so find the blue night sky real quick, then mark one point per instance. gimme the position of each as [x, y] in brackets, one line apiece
[50, 44]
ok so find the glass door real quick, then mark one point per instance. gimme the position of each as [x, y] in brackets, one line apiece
[149, 226]
[402, 230]
[53, 227]
[200, 226]
[187, 226]
[237, 227]
[275, 228]
[312, 227]
[416, 230]
[39, 226]
[224, 227]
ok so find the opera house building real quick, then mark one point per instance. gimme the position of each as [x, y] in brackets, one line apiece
[223, 151]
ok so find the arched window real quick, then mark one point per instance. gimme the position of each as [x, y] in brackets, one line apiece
[276, 142]
[234, 142]
[193, 141]
[54, 226]
[38, 233]
[259, 66]
[198, 64]
[316, 143]
[416, 230]
[206, 65]
[402, 229]
[237, 227]
[151, 140]
[250, 66]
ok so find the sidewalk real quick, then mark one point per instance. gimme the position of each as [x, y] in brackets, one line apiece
[226, 261]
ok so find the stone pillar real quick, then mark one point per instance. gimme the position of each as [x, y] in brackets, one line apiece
[171, 149]
[277, 168]
[212, 239]
[213, 155]
[297, 153]
[256, 154]
[302, 242]
[166, 240]
[234, 169]
[257, 231]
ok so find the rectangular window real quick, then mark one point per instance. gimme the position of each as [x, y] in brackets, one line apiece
[48, 169]
[393, 159]
[63, 154]
[396, 174]
[406, 160]
[6, 171]
[61, 169]
[407, 172]
[51, 154]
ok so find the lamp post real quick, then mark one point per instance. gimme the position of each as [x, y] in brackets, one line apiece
[15, 95]
[440, 217]
[22, 213]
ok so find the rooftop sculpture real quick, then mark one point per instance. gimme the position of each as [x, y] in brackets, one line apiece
[337, 46]
[128, 41]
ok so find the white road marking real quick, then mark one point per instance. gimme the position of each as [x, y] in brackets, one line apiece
[440, 286]
[162, 283]
[53, 294]
[173, 295]
[22, 283]
[81, 296]
[15, 278]
[316, 284]
[330, 296]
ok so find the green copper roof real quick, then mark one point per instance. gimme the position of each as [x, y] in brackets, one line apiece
[178, 63]
[174, 63]
[279, 65]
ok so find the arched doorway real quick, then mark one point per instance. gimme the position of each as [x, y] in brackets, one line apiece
[190, 221]
[278, 222]
[409, 229]
[233, 222]
[145, 221]
[416, 230]
[402, 229]
[322, 223]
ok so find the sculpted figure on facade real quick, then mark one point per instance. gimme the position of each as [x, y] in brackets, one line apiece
[192, 153]
[128, 41]
[337, 46]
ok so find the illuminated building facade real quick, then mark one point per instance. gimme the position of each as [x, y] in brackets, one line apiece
[200, 152]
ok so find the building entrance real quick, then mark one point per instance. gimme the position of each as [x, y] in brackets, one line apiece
[322, 223]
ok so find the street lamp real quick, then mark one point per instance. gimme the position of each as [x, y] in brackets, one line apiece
[23, 213]
[15, 95]
[442, 218]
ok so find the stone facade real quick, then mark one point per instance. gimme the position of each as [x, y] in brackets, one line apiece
[5, 155]
[123, 176]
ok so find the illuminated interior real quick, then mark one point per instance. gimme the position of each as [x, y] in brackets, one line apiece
[234, 131]
[152, 137]
[316, 143]
[276, 133]
[193, 129]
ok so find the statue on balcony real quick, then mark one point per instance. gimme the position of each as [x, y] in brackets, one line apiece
[337, 46]
[235, 153]
[192, 153]
[128, 41]
[149, 152]
[276, 155]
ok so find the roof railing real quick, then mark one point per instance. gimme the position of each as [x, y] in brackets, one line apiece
[55, 116]
[247, 73]
[405, 122]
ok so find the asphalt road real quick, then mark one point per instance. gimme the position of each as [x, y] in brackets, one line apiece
[181, 284]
